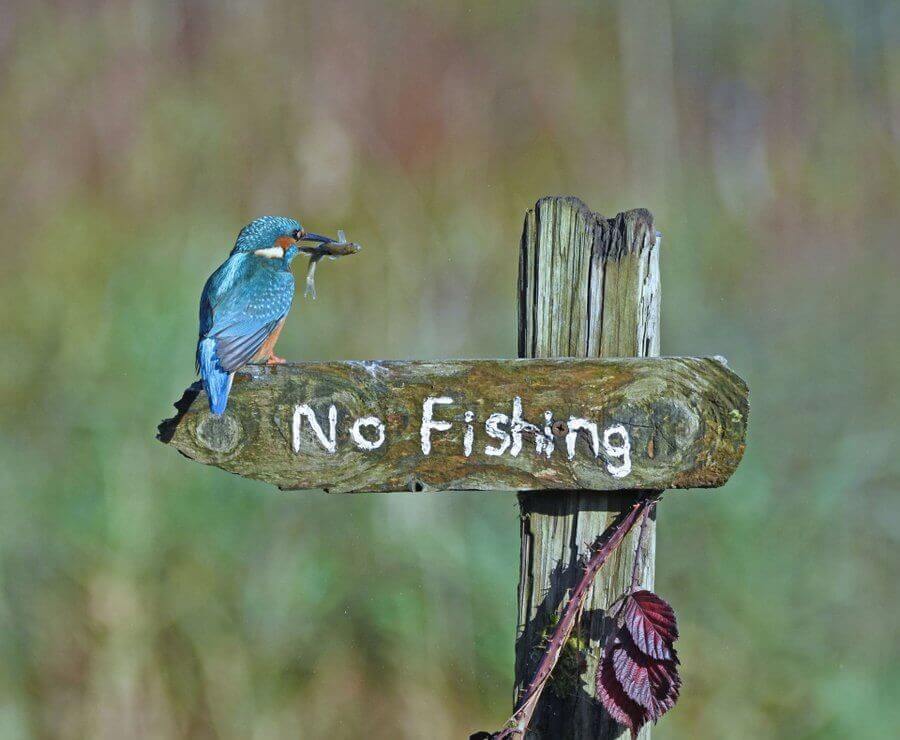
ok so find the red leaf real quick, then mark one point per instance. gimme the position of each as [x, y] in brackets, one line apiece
[653, 684]
[635, 684]
[620, 706]
[631, 671]
[651, 622]
[667, 684]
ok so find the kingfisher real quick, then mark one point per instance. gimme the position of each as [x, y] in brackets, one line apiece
[246, 300]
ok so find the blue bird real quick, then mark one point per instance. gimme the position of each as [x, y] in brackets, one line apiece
[246, 300]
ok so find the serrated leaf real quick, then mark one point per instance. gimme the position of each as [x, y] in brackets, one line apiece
[618, 704]
[638, 681]
[631, 671]
[667, 685]
[652, 624]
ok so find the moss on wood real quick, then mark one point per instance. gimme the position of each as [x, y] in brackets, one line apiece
[678, 413]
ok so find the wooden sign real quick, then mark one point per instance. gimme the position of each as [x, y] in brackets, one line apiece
[474, 425]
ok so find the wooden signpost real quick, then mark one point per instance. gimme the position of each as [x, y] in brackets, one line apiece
[573, 435]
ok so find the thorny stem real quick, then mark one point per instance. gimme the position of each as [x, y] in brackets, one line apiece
[610, 539]
[637, 564]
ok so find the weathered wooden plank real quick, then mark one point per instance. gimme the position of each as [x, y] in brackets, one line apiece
[615, 424]
[588, 287]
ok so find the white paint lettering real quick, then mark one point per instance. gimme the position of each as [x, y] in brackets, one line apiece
[357, 436]
[427, 421]
[368, 433]
[623, 450]
[492, 427]
[329, 442]
[575, 425]
[469, 436]
[517, 425]
[543, 443]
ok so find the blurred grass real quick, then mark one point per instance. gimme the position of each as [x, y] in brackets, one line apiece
[143, 596]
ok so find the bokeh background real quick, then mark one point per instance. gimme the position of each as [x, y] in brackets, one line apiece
[146, 596]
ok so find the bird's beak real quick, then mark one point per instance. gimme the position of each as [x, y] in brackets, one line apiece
[308, 236]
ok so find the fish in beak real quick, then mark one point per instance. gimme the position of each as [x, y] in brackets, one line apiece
[325, 246]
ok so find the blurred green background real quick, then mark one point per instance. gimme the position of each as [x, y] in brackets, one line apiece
[147, 596]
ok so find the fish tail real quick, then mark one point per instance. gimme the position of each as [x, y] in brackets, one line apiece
[216, 381]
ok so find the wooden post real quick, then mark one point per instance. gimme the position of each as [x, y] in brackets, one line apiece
[588, 287]
[578, 437]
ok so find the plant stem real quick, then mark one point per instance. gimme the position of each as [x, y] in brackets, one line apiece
[606, 544]
[639, 549]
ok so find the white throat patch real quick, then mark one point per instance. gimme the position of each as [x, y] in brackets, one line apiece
[273, 253]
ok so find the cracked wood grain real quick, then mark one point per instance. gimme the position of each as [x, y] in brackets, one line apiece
[676, 413]
[588, 287]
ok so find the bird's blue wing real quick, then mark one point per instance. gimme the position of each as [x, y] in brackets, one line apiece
[241, 316]
[219, 286]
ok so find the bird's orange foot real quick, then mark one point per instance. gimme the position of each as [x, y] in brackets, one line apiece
[275, 360]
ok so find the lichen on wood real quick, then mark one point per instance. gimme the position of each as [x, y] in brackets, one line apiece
[676, 414]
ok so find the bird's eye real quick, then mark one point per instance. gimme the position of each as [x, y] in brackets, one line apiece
[297, 233]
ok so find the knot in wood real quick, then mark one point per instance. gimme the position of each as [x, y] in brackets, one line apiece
[219, 433]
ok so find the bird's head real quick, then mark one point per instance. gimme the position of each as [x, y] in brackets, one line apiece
[275, 237]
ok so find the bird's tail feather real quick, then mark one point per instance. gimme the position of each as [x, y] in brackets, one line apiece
[216, 381]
